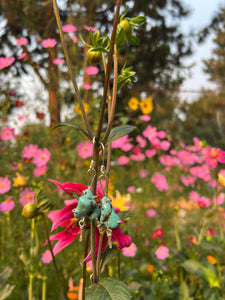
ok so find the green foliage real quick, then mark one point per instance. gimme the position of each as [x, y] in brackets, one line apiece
[120, 131]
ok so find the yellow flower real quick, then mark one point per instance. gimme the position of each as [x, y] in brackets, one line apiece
[150, 269]
[146, 105]
[121, 201]
[211, 259]
[19, 167]
[221, 178]
[86, 108]
[19, 180]
[133, 103]
[68, 139]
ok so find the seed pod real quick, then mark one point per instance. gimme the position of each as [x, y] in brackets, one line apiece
[30, 211]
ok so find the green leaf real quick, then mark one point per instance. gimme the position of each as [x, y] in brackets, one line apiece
[211, 277]
[133, 40]
[210, 246]
[120, 38]
[184, 292]
[5, 274]
[73, 126]
[124, 14]
[108, 289]
[138, 20]
[120, 131]
[6, 291]
[107, 255]
[193, 267]
[125, 214]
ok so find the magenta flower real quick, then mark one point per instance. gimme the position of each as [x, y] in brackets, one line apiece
[22, 41]
[22, 55]
[49, 43]
[188, 180]
[58, 61]
[220, 199]
[69, 28]
[162, 252]
[142, 142]
[204, 201]
[194, 196]
[74, 38]
[131, 189]
[7, 205]
[7, 133]
[6, 62]
[86, 86]
[86, 27]
[92, 70]
[214, 156]
[160, 181]
[39, 171]
[120, 142]
[137, 157]
[158, 233]
[161, 134]
[150, 132]
[123, 160]
[5, 185]
[26, 196]
[151, 213]
[145, 118]
[41, 157]
[29, 151]
[143, 173]
[130, 251]
[150, 152]
[46, 257]
[85, 149]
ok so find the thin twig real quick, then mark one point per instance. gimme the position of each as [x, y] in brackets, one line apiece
[70, 69]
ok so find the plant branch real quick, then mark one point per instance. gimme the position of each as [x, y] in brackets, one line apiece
[108, 69]
[70, 69]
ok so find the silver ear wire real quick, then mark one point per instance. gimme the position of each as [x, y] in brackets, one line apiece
[102, 168]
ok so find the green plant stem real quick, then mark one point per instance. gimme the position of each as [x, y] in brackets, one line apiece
[31, 277]
[43, 288]
[3, 230]
[118, 264]
[101, 231]
[32, 237]
[84, 265]
[53, 258]
[202, 232]
[70, 69]
[113, 106]
[108, 69]
[176, 230]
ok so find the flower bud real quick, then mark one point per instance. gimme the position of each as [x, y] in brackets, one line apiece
[30, 211]
[126, 27]
[94, 57]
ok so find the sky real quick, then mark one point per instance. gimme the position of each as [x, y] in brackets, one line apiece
[202, 12]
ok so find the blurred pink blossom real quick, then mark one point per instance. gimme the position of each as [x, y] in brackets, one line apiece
[123, 160]
[85, 149]
[150, 152]
[7, 205]
[214, 156]
[6, 62]
[119, 142]
[145, 118]
[160, 181]
[130, 251]
[131, 189]
[151, 213]
[39, 171]
[69, 28]
[5, 185]
[22, 55]
[49, 43]
[142, 142]
[58, 61]
[86, 86]
[22, 41]
[162, 252]
[137, 157]
[194, 196]
[161, 134]
[74, 38]
[26, 196]
[29, 151]
[150, 132]
[46, 257]
[204, 201]
[86, 27]
[7, 133]
[41, 157]
[143, 173]
[126, 147]
[91, 70]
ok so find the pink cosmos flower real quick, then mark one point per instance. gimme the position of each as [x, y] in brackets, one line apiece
[5, 185]
[123, 160]
[150, 132]
[186, 157]
[49, 43]
[22, 55]
[41, 157]
[161, 134]
[169, 160]
[74, 38]
[160, 181]
[7, 205]
[214, 156]
[46, 257]
[151, 213]
[188, 180]
[6, 62]
[22, 41]
[150, 152]
[69, 28]
[130, 251]
[126, 147]
[143, 173]
[58, 61]
[162, 252]
[137, 157]
[92, 70]
[145, 118]
[85, 149]
[131, 189]
[158, 233]
[29, 151]
[39, 171]
[7, 133]
[219, 199]
[194, 196]
[142, 142]
[204, 201]
[86, 86]
[119, 142]
[86, 27]
[165, 145]
[201, 172]
[26, 196]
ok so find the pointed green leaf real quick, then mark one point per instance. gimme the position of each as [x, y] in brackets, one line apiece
[211, 277]
[138, 20]
[183, 292]
[5, 274]
[120, 131]
[73, 126]
[125, 214]
[108, 289]
[124, 14]
[107, 255]
[133, 40]
[120, 38]
[193, 267]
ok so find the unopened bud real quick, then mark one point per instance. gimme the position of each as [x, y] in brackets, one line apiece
[30, 211]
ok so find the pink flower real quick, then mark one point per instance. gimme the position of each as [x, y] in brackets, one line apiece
[143, 173]
[85, 149]
[204, 201]
[46, 257]
[49, 43]
[22, 55]
[162, 252]
[220, 199]
[92, 28]
[26, 196]
[131, 189]
[194, 196]
[7, 133]
[165, 145]
[7, 205]
[142, 142]
[126, 147]
[187, 181]
[161, 134]
[92, 70]
[169, 160]
[214, 156]
[123, 160]
[130, 251]
[22, 41]
[6, 62]
[5, 185]
[158, 233]
[69, 28]
[145, 118]
[39, 171]
[74, 38]
[151, 213]
[29, 151]
[150, 132]
[150, 152]
[58, 61]
[160, 181]
[86, 86]
[137, 157]
[41, 157]
[119, 142]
